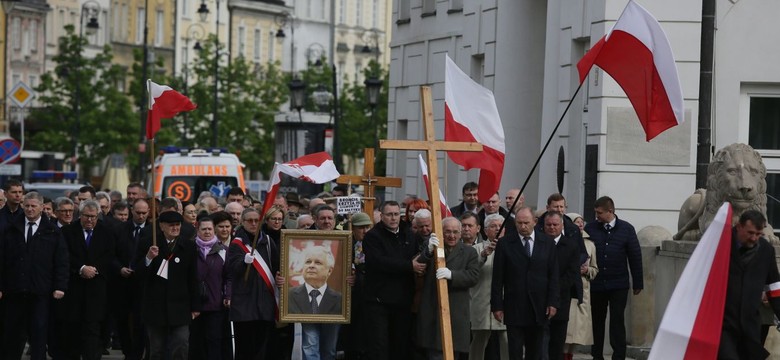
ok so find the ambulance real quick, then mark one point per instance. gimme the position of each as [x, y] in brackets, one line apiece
[185, 174]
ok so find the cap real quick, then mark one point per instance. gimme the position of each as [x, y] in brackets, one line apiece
[170, 217]
[361, 219]
[573, 216]
[292, 198]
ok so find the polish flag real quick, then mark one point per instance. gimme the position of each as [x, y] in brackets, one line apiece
[445, 210]
[315, 168]
[164, 103]
[637, 54]
[471, 115]
[692, 323]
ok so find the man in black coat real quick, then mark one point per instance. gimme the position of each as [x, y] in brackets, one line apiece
[92, 250]
[13, 206]
[170, 204]
[389, 286]
[470, 200]
[171, 297]
[568, 255]
[34, 270]
[752, 270]
[524, 291]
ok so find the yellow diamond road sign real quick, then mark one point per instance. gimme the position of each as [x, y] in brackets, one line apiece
[21, 94]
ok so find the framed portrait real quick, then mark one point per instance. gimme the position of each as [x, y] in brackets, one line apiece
[315, 265]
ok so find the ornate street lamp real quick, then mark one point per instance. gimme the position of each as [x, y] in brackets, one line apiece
[91, 9]
[297, 95]
[373, 88]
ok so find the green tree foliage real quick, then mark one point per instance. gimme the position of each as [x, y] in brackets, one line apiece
[249, 96]
[81, 103]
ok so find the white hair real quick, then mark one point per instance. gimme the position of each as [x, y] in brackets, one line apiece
[492, 217]
[319, 249]
[422, 214]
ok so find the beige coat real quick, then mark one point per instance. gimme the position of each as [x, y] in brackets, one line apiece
[481, 317]
[580, 330]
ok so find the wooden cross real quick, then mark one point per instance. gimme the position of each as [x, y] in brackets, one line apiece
[430, 146]
[369, 181]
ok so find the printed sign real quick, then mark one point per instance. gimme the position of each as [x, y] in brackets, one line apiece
[349, 205]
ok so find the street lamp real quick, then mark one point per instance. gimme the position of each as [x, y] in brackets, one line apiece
[373, 88]
[203, 12]
[297, 95]
[321, 97]
[195, 32]
[90, 9]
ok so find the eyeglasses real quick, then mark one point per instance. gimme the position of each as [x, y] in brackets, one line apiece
[276, 219]
[89, 217]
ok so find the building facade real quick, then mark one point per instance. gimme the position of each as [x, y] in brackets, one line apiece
[24, 50]
[526, 52]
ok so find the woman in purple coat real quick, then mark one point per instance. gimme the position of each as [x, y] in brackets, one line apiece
[206, 331]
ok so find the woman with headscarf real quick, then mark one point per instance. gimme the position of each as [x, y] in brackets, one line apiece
[579, 331]
[206, 331]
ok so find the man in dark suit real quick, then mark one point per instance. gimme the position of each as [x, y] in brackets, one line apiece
[315, 296]
[470, 200]
[92, 249]
[752, 271]
[524, 291]
[33, 270]
[568, 255]
[171, 297]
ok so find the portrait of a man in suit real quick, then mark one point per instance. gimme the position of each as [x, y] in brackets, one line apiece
[314, 296]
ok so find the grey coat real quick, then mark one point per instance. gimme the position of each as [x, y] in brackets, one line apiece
[462, 261]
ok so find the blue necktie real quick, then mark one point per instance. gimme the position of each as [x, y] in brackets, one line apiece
[29, 231]
[527, 245]
[89, 237]
[315, 309]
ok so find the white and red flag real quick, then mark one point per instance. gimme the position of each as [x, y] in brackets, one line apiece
[693, 320]
[445, 210]
[471, 115]
[164, 103]
[637, 54]
[315, 168]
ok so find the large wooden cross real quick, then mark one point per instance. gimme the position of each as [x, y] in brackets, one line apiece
[430, 146]
[369, 181]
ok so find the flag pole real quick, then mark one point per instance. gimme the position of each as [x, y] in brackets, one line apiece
[151, 164]
[539, 158]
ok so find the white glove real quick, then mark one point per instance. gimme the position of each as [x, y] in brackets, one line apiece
[433, 241]
[444, 273]
[248, 258]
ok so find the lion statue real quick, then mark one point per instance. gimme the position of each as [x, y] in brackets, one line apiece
[736, 174]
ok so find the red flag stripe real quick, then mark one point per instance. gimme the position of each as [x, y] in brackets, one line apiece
[705, 335]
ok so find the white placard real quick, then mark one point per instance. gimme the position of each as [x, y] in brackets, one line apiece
[11, 169]
[349, 205]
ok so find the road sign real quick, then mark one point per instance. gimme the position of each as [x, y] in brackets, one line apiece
[11, 169]
[21, 94]
[9, 149]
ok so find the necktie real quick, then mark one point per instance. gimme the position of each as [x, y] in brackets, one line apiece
[527, 244]
[29, 231]
[315, 309]
[171, 244]
[89, 237]
[608, 227]
[136, 232]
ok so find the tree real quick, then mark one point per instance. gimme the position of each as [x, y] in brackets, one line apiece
[249, 97]
[81, 105]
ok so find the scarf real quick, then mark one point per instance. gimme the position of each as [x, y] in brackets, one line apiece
[205, 246]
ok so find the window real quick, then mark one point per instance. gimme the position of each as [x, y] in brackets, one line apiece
[456, 5]
[764, 129]
[271, 39]
[15, 79]
[159, 30]
[358, 13]
[115, 35]
[429, 6]
[257, 43]
[241, 41]
[375, 15]
[34, 35]
[185, 8]
[404, 9]
[124, 23]
[358, 71]
[340, 80]
[308, 8]
[342, 11]
[16, 33]
[139, 25]
[33, 81]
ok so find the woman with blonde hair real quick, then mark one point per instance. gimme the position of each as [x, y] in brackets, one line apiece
[579, 331]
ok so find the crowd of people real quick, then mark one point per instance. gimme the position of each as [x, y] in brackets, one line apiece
[89, 271]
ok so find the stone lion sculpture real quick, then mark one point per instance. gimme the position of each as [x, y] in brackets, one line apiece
[736, 174]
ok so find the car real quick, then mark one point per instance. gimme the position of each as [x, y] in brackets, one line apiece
[52, 190]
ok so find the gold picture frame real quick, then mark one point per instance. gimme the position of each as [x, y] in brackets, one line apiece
[313, 247]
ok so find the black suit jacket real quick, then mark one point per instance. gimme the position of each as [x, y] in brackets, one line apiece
[524, 287]
[39, 266]
[188, 231]
[389, 272]
[568, 275]
[86, 299]
[300, 302]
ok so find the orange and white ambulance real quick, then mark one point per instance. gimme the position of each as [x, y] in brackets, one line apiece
[185, 174]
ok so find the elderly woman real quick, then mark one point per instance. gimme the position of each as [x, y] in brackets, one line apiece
[580, 331]
[482, 320]
[206, 330]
